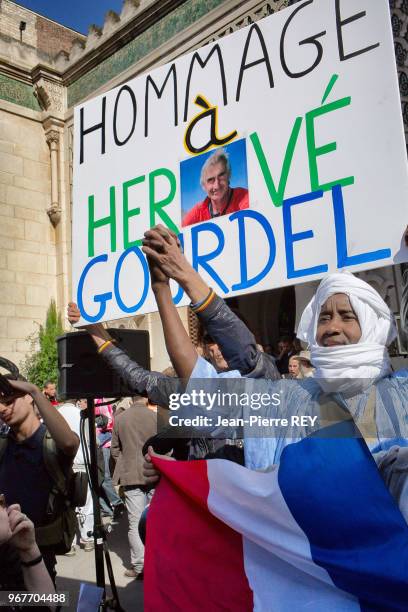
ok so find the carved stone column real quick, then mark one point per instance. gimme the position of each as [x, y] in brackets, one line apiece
[54, 211]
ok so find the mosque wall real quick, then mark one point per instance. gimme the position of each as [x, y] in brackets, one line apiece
[27, 239]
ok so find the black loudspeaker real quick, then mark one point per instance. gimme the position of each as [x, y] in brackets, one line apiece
[84, 374]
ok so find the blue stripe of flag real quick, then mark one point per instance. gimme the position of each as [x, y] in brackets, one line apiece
[356, 532]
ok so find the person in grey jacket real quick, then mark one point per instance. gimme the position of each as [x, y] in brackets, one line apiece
[131, 430]
[158, 387]
[236, 342]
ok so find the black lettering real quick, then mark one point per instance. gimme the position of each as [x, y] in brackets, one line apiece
[115, 113]
[263, 59]
[307, 41]
[339, 25]
[159, 92]
[209, 111]
[84, 132]
[196, 58]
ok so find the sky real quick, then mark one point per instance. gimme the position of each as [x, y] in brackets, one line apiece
[76, 14]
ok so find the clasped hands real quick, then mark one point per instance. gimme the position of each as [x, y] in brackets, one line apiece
[164, 255]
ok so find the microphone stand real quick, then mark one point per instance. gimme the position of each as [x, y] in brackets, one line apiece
[99, 531]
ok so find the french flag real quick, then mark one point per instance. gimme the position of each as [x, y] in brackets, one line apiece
[319, 533]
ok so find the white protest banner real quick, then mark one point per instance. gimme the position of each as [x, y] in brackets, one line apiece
[304, 103]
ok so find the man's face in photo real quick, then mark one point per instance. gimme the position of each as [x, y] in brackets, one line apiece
[216, 182]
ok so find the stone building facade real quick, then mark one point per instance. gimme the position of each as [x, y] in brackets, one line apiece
[45, 70]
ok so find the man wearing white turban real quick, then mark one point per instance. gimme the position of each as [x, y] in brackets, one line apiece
[347, 326]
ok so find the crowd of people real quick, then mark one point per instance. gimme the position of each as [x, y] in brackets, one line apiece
[345, 331]
[291, 360]
[44, 485]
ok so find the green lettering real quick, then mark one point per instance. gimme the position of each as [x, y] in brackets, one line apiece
[127, 214]
[157, 206]
[329, 87]
[109, 220]
[277, 195]
[314, 151]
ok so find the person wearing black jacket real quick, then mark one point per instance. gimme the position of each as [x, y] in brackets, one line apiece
[158, 387]
[236, 342]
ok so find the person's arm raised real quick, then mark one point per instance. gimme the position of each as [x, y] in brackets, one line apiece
[181, 351]
[65, 439]
[163, 246]
[236, 341]
[157, 386]
[179, 346]
[97, 331]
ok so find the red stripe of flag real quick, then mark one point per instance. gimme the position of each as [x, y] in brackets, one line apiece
[193, 561]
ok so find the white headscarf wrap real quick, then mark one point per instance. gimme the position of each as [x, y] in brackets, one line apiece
[363, 362]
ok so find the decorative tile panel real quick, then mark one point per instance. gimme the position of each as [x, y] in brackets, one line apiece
[159, 33]
[18, 93]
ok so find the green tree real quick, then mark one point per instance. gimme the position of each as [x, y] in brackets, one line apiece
[41, 363]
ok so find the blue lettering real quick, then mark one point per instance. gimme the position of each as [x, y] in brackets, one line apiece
[180, 292]
[202, 260]
[102, 298]
[252, 214]
[291, 238]
[343, 259]
[140, 256]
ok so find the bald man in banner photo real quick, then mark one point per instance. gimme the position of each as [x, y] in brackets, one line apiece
[221, 198]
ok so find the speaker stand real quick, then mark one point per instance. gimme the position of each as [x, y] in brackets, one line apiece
[99, 532]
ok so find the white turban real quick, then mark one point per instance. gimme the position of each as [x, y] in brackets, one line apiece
[365, 361]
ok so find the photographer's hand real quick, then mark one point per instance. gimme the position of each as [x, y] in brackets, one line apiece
[22, 534]
[5, 531]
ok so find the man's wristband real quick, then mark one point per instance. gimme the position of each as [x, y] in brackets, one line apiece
[35, 561]
[104, 345]
[199, 306]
